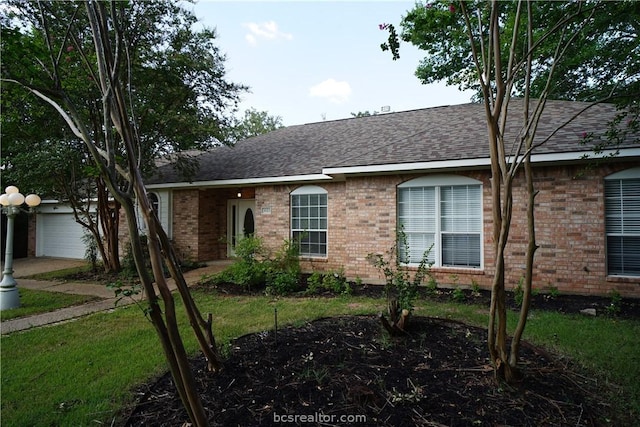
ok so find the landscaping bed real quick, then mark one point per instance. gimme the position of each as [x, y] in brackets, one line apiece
[438, 374]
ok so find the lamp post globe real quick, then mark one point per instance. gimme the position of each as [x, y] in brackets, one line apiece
[11, 202]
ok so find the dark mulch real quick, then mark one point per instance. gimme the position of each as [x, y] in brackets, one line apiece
[439, 374]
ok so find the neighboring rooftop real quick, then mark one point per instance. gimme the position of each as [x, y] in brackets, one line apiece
[450, 133]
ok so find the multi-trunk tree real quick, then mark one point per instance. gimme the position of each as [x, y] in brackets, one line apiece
[180, 101]
[535, 51]
[106, 112]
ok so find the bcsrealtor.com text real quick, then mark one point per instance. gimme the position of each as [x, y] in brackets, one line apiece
[318, 418]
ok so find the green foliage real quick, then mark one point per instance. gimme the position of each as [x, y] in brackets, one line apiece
[255, 268]
[614, 307]
[553, 291]
[253, 123]
[432, 285]
[35, 302]
[283, 272]
[91, 250]
[475, 288]
[332, 281]
[606, 34]
[250, 270]
[458, 295]
[518, 292]
[399, 285]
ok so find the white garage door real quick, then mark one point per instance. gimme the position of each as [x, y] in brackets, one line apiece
[60, 236]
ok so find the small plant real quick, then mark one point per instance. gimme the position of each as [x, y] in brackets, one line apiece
[414, 395]
[518, 292]
[458, 295]
[614, 307]
[400, 290]
[553, 292]
[475, 288]
[432, 285]
[334, 282]
[91, 251]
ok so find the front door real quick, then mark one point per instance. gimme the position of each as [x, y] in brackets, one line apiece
[241, 222]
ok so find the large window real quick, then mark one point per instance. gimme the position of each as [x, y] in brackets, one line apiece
[443, 213]
[309, 220]
[622, 213]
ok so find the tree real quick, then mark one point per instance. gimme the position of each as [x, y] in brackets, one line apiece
[525, 49]
[182, 101]
[365, 113]
[253, 123]
[100, 32]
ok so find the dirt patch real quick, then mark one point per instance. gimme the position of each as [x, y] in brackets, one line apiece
[331, 371]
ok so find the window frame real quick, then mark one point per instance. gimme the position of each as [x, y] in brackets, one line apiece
[618, 177]
[310, 190]
[437, 182]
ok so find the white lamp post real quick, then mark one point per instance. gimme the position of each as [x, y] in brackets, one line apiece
[11, 202]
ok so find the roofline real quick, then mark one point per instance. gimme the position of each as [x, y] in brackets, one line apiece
[335, 174]
[478, 162]
[243, 182]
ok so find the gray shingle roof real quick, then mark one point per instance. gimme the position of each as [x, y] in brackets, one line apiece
[457, 132]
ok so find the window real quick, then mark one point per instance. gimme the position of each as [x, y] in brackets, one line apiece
[446, 212]
[622, 215]
[155, 203]
[309, 220]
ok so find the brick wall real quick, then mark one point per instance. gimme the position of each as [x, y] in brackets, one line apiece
[570, 228]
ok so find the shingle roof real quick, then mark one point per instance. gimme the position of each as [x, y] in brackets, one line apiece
[447, 133]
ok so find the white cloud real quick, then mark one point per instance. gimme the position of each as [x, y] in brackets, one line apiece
[265, 30]
[335, 91]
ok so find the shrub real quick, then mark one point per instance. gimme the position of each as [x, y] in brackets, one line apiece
[283, 271]
[400, 290]
[249, 270]
[332, 281]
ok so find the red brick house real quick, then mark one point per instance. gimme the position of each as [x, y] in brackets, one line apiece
[346, 186]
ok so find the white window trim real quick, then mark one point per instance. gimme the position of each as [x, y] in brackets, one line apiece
[307, 190]
[631, 173]
[442, 180]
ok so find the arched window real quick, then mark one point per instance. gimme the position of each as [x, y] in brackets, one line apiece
[444, 213]
[309, 220]
[622, 216]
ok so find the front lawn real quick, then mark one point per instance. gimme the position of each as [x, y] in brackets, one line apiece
[84, 372]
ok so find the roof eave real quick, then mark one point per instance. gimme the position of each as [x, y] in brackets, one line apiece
[478, 163]
[243, 182]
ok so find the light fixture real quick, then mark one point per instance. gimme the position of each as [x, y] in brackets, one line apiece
[11, 201]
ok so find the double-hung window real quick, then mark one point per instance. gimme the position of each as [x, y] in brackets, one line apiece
[443, 213]
[622, 214]
[309, 220]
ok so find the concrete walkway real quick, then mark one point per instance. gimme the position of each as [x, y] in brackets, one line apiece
[28, 266]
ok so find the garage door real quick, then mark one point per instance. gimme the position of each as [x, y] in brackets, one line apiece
[60, 236]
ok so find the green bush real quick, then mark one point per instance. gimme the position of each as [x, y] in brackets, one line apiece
[250, 270]
[283, 271]
[332, 281]
[399, 286]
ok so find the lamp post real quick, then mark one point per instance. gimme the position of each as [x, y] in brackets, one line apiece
[11, 202]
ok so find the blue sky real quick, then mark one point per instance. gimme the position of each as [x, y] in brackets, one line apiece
[308, 61]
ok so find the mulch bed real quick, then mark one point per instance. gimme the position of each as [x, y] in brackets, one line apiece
[329, 371]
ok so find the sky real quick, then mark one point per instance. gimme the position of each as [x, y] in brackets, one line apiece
[308, 61]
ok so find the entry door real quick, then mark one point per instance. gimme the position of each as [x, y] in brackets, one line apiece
[241, 215]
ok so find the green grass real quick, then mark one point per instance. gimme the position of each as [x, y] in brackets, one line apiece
[82, 373]
[62, 274]
[35, 302]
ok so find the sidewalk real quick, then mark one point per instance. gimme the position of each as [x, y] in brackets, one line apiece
[107, 301]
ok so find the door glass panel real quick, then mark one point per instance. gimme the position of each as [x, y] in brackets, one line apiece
[248, 225]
